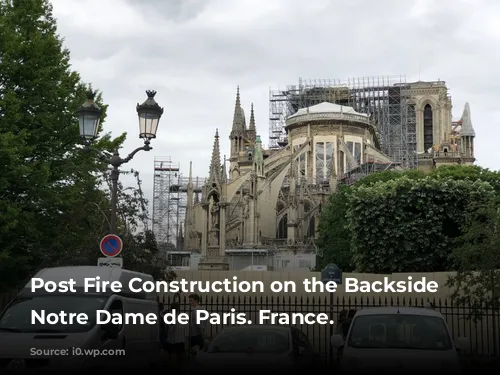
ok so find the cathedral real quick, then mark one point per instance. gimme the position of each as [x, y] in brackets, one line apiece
[269, 200]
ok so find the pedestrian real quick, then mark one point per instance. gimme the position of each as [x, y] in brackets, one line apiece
[338, 330]
[176, 339]
[163, 328]
[342, 317]
[195, 327]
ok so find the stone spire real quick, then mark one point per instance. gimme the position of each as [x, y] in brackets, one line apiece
[190, 180]
[215, 165]
[239, 122]
[252, 131]
[223, 171]
[258, 158]
[197, 195]
[467, 129]
[467, 135]
[252, 120]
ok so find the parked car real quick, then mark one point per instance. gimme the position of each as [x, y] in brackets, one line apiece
[258, 347]
[401, 339]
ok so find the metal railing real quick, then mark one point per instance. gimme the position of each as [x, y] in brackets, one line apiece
[479, 331]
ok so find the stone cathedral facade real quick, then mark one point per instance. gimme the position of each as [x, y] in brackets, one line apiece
[272, 198]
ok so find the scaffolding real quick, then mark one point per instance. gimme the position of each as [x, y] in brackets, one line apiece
[170, 199]
[385, 99]
[167, 204]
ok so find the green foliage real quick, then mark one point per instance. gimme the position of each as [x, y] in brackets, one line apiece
[476, 258]
[141, 254]
[334, 236]
[52, 211]
[470, 173]
[407, 225]
[387, 199]
[390, 175]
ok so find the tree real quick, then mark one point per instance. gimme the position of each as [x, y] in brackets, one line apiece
[140, 249]
[141, 254]
[470, 173]
[335, 235]
[390, 175]
[334, 238]
[407, 225]
[476, 258]
[46, 181]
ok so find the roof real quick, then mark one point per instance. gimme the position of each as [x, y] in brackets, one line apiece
[327, 111]
[399, 310]
[327, 107]
[467, 129]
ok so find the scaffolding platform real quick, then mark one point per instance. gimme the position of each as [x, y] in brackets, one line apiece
[386, 99]
[170, 201]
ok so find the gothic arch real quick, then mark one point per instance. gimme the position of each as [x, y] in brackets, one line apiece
[430, 101]
[235, 172]
[308, 205]
[282, 228]
[428, 126]
[280, 206]
[215, 194]
[281, 211]
[311, 228]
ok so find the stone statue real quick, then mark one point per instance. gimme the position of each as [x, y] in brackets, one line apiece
[214, 214]
[246, 207]
[213, 234]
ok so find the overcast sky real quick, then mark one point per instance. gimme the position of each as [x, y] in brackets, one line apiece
[195, 53]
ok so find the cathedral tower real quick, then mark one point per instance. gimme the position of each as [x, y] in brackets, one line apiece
[214, 205]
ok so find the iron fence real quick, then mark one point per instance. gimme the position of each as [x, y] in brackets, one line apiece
[480, 329]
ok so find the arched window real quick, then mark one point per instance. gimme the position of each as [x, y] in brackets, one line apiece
[282, 228]
[428, 128]
[311, 230]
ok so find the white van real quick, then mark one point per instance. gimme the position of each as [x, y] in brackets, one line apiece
[79, 346]
[403, 339]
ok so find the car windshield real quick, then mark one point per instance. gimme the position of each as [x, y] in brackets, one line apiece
[399, 331]
[251, 340]
[17, 318]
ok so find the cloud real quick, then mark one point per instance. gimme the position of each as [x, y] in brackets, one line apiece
[170, 10]
[195, 53]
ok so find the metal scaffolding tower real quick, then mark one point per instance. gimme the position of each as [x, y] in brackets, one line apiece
[170, 199]
[166, 202]
[386, 99]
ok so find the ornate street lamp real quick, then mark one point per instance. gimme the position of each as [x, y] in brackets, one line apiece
[89, 115]
[149, 114]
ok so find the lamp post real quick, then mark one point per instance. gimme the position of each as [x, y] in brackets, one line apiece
[89, 115]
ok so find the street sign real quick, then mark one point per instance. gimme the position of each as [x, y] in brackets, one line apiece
[111, 245]
[110, 262]
[332, 272]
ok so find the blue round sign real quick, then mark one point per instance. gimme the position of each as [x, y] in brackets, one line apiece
[111, 245]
